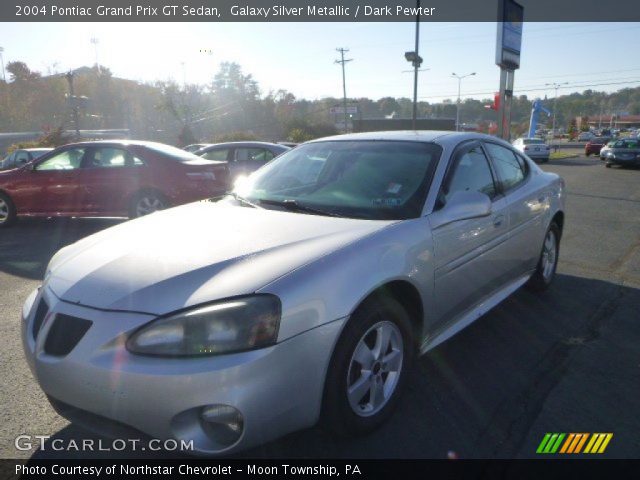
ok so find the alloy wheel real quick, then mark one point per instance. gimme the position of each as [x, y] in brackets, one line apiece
[549, 254]
[374, 369]
[4, 211]
[148, 204]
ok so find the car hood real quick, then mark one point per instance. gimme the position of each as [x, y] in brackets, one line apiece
[194, 254]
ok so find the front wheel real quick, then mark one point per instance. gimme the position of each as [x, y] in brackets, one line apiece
[145, 203]
[548, 262]
[368, 368]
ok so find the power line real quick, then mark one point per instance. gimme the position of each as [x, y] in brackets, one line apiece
[537, 89]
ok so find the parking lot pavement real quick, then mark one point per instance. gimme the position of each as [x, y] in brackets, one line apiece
[563, 361]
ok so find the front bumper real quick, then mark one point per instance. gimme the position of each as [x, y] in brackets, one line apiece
[276, 389]
[623, 160]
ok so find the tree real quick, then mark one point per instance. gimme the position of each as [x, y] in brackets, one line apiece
[20, 72]
[573, 129]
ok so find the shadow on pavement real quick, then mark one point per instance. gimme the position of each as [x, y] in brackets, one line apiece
[564, 360]
[27, 247]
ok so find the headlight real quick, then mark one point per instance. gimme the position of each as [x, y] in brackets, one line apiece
[233, 325]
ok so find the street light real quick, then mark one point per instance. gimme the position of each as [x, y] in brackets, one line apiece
[460, 77]
[4, 79]
[556, 86]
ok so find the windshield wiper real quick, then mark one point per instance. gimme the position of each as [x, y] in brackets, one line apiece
[293, 206]
[243, 200]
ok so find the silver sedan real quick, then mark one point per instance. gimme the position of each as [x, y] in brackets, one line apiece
[304, 295]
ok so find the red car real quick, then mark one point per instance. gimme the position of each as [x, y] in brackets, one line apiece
[108, 178]
[594, 145]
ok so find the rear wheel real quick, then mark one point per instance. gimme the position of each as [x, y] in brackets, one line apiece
[145, 203]
[7, 211]
[546, 269]
[368, 368]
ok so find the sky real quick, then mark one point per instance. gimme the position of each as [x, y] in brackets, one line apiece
[299, 57]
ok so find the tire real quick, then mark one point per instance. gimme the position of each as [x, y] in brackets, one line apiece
[607, 165]
[358, 413]
[146, 202]
[546, 268]
[7, 211]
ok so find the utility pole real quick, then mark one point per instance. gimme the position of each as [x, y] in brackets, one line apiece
[74, 102]
[4, 78]
[342, 61]
[460, 77]
[555, 86]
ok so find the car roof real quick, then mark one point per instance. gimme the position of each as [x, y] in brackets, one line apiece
[442, 137]
[39, 149]
[244, 144]
[123, 142]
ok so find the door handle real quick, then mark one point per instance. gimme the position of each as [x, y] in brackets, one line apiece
[497, 220]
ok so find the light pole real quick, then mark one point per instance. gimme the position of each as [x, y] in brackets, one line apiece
[460, 77]
[94, 41]
[555, 86]
[4, 79]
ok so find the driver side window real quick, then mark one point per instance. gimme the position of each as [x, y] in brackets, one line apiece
[470, 173]
[66, 160]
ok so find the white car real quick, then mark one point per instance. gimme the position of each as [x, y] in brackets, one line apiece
[534, 148]
[585, 136]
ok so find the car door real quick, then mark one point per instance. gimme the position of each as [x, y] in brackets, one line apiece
[249, 159]
[110, 175]
[469, 263]
[53, 185]
[526, 205]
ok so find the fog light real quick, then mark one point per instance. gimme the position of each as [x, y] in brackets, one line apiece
[222, 423]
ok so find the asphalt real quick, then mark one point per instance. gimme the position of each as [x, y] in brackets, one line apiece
[562, 361]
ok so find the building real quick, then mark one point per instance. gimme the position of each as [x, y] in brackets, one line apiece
[610, 121]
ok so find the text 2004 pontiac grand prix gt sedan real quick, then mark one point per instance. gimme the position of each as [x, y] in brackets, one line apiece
[304, 295]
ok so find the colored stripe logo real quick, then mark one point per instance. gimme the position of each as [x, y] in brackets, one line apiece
[574, 443]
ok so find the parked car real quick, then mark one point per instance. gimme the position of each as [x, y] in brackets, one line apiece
[194, 147]
[108, 178]
[606, 148]
[593, 146]
[535, 148]
[305, 294]
[625, 151]
[242, 157]
[585, 136]
[21, 157]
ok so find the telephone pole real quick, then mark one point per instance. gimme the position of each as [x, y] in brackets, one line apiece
[555, 86]
[342, 61]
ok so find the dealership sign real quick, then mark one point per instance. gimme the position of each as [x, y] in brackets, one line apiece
[509, 42]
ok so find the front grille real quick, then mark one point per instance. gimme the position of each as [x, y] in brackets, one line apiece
[64, 334]
[41, 312]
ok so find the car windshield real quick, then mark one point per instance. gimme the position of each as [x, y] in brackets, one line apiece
[633, 143]
[358, 179]
[531, 141]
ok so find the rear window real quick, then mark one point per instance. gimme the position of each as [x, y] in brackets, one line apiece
[533, 141]
[173, 153]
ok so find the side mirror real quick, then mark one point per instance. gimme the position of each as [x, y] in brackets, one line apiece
[462, 206]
